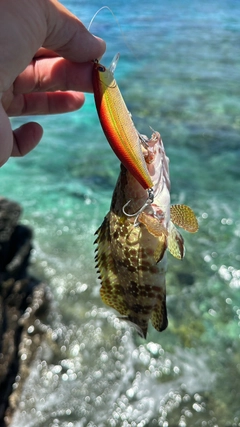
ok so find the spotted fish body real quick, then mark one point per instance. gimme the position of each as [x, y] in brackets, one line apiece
[131, 250]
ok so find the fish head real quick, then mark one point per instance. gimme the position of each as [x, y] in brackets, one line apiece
[158, 167]
[157, 161]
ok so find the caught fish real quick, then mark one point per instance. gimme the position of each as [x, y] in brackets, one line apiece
[133, 240]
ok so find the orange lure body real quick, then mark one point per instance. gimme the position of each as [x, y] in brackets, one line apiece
[117, 123]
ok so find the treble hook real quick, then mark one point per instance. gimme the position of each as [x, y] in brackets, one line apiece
[148, 202]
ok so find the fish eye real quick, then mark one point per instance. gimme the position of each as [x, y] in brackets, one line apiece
[101, 68]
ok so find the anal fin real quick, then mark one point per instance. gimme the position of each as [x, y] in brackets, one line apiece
[152, 224]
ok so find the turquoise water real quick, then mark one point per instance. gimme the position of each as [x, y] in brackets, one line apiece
[181, 77]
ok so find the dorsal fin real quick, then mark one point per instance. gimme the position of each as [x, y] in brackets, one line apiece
[111, 292]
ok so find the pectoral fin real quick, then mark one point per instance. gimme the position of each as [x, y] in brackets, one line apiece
[152, 224]
[175, 242]
[154, 227]
[184, 217]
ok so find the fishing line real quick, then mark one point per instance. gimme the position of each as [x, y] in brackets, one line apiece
[118, 24]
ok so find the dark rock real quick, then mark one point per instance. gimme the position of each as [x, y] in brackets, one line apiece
[23, 303]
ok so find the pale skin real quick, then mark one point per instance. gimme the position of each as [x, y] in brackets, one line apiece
[45, 65]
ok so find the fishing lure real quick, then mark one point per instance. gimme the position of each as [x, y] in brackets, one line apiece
[118, 125]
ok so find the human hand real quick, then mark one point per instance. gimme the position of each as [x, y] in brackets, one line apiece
[45, 55]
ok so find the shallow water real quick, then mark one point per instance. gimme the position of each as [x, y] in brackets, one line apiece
[180, 77]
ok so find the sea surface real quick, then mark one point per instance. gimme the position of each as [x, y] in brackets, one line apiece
[179, 73]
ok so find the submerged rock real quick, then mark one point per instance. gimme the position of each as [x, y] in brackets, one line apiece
[23, 302]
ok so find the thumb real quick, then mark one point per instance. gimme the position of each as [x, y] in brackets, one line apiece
[67, 35]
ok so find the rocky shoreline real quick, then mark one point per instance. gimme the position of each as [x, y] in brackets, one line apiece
[24, 302]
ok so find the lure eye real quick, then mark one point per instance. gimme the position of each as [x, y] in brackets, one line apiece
[101, 68]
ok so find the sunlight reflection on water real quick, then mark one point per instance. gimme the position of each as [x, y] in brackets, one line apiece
[92, 370]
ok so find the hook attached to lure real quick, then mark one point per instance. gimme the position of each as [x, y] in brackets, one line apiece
[148, 202]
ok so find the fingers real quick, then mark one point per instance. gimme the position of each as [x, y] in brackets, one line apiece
[49, 74]
[45, 103]
[25, 138]
[41, 30]
[46, 53]
[19, 142]
[45, 75]
[36, 24]
[67, 36]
